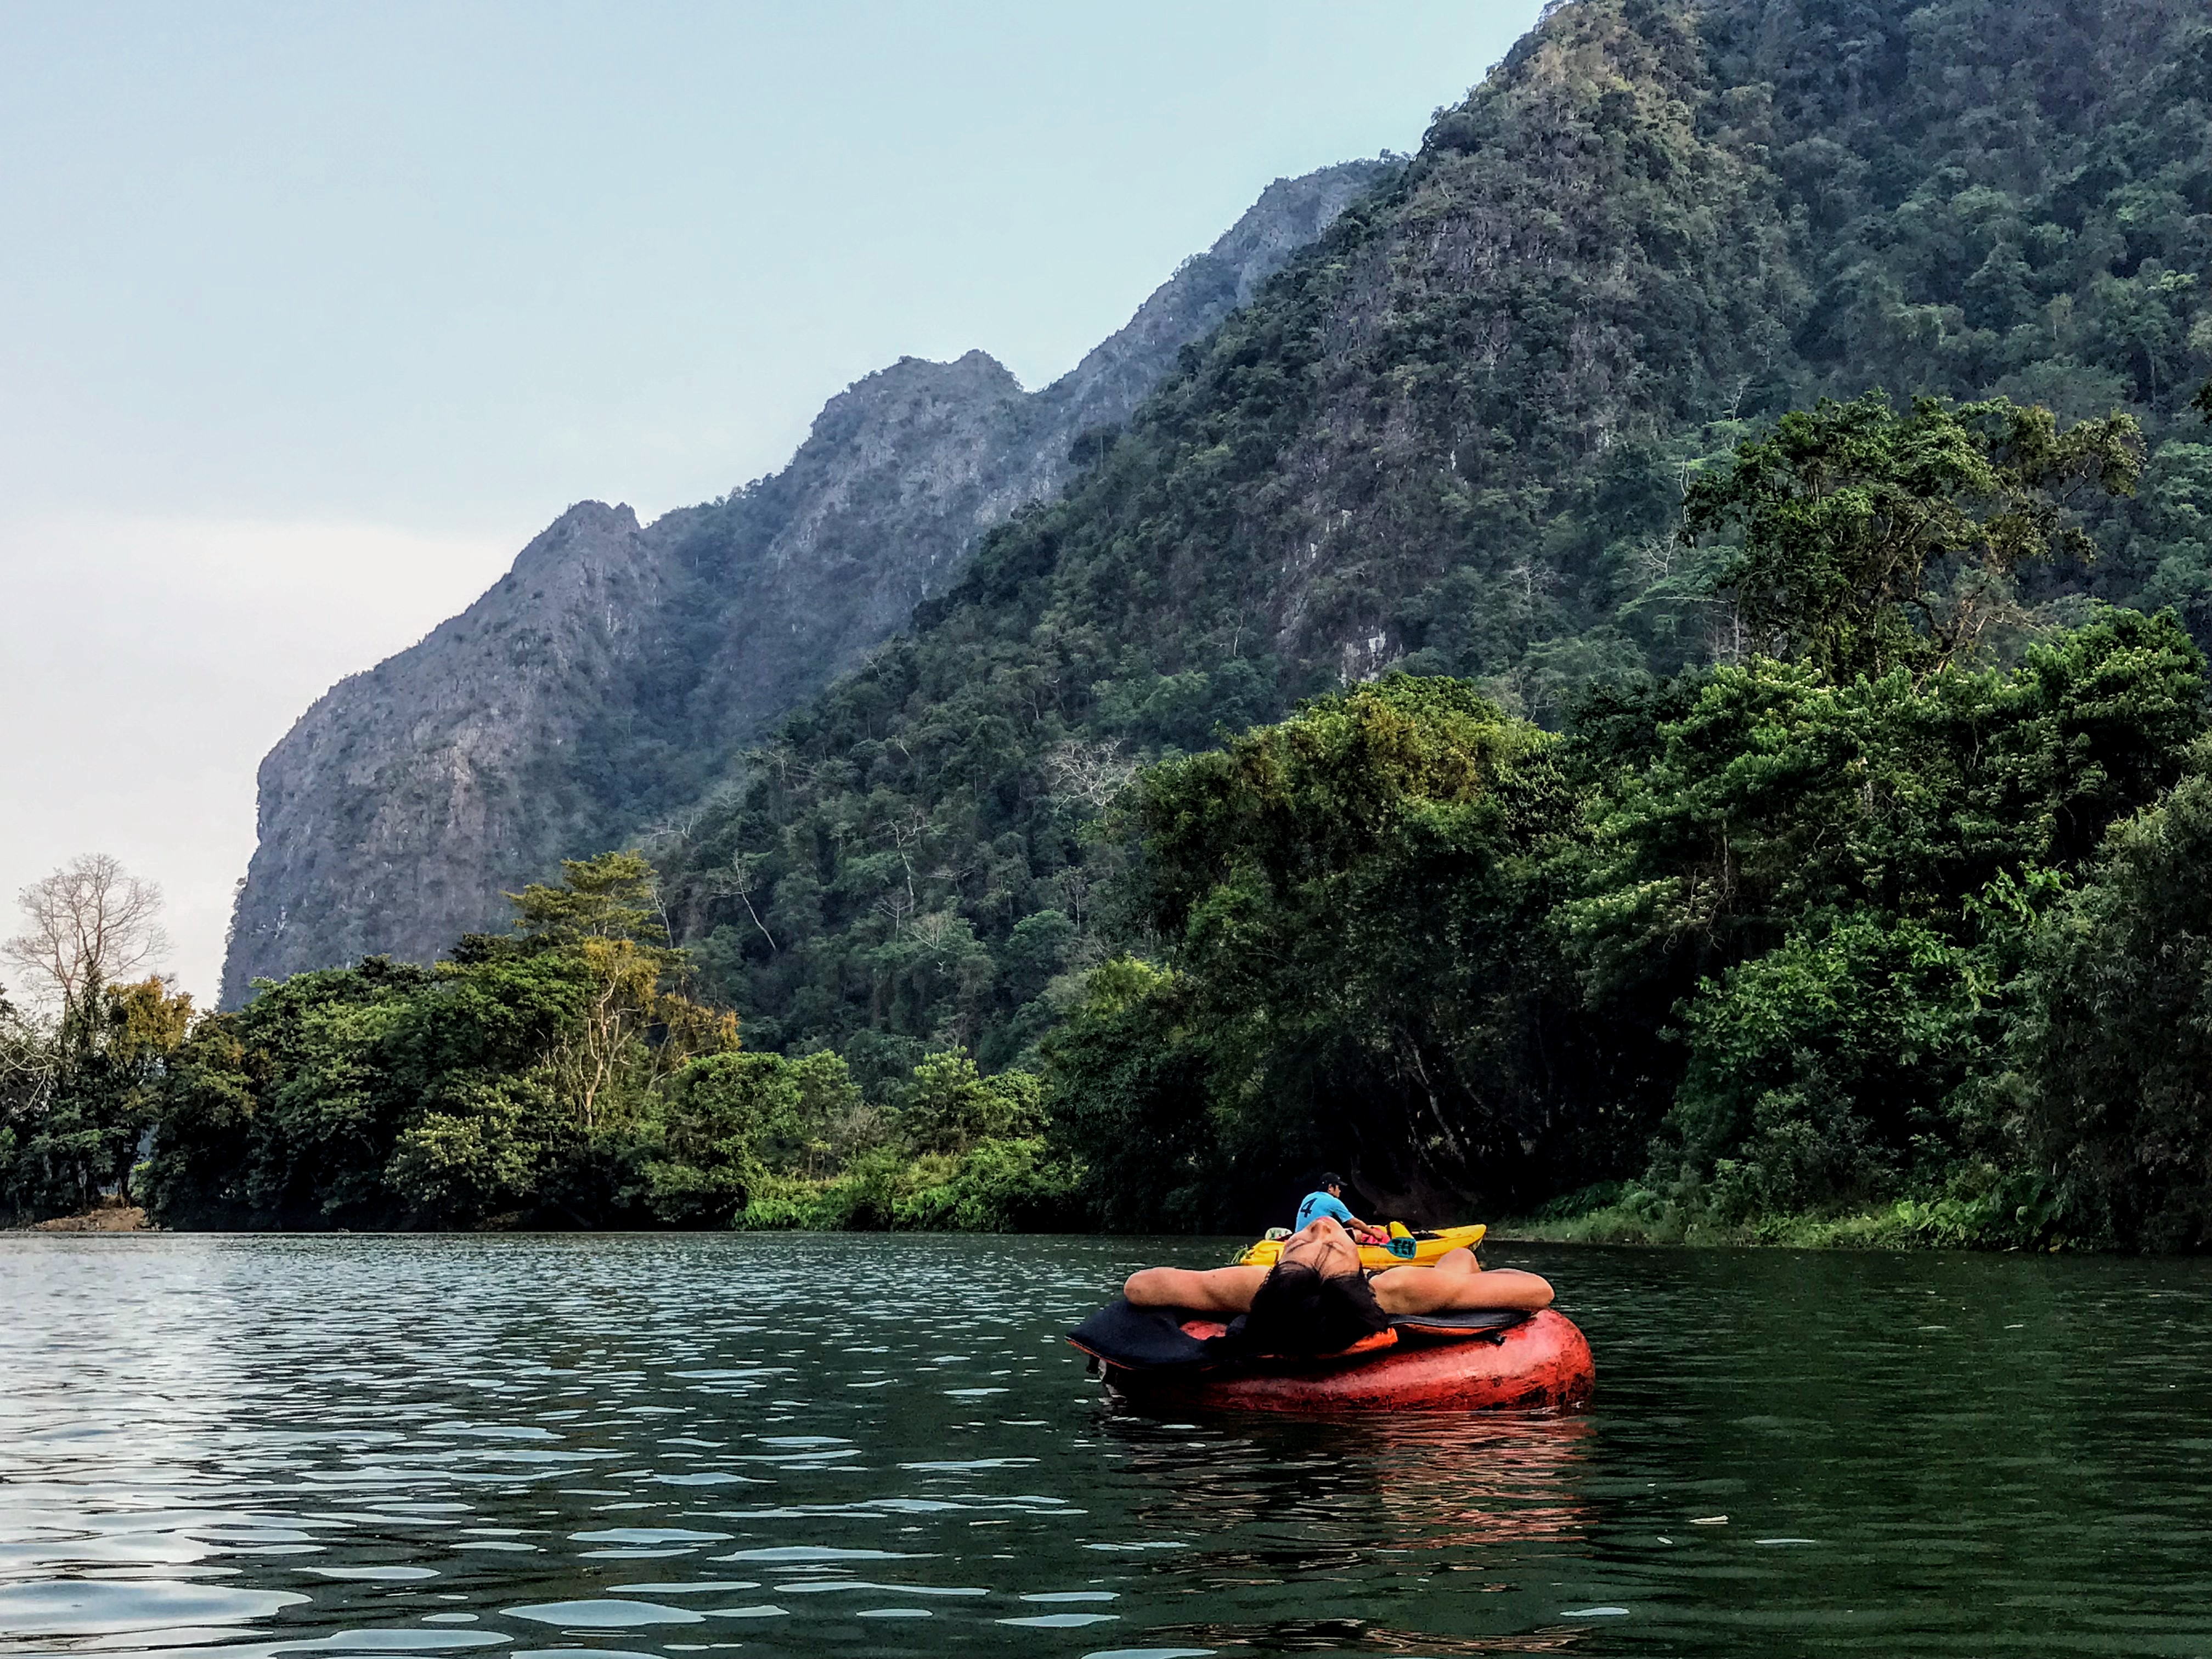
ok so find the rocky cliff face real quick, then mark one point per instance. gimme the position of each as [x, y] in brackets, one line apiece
[617, 671]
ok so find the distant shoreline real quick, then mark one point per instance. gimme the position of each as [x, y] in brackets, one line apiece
[1905, 1225]
[1901, 1226]
[102, 1217]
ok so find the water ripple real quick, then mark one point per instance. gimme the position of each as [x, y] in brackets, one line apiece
[239, 1449]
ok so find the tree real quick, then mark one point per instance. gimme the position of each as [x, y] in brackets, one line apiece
[1765, 792]
[71, 1123]
[614, 896]
[607, 915]
[1867, 540]
[1354, 902]
[526, 1076]
[90, 923]
[80, 1083]
[1817, 1069]
[2115, 1047]
[948, 1107]
[1785, 892]
[731, 1118]
[1127, 1085]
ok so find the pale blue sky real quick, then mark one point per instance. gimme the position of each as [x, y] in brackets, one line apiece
[313, 314]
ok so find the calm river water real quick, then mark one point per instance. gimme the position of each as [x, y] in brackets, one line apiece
[674, 1445]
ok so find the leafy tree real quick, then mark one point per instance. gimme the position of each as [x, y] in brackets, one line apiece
[1128, 1078]
[1765, 792]
[1796, 877]
[1356, 898]
[605, 920]
[482, 1152]
[1778, 918]
[78, 1079]
[2113, 1047]
[610, 897]
[77, 1107]
[948, 1107]
[556, 1077]
[1869, 541]
[1821, 1072]
[523, 1078]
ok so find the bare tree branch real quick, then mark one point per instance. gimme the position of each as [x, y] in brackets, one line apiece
[1092, 773]
[90, 923]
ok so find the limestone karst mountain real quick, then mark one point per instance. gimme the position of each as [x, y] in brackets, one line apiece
[1784, 801]
[616, 670]
[1453, 438]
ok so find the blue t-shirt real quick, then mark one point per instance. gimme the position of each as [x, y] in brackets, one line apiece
[1319, 1204]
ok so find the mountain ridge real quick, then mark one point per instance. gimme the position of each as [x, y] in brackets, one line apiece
[618, 668]
[1453, 437]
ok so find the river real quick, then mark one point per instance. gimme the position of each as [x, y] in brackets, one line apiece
[524, 1446]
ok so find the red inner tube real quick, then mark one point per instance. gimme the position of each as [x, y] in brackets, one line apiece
[1542, 1364]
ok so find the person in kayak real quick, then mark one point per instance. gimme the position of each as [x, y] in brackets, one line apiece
[1318, 1278]
[1327, 1198]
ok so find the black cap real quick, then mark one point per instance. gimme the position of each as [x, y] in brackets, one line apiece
[1327, 1178]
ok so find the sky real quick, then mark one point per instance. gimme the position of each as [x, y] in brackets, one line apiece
[311, 315]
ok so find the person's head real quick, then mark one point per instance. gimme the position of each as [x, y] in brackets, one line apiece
[1315, 1301]
[1331, 1183]
[1323, 1245]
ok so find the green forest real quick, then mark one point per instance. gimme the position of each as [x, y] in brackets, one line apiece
[558, 1077]
[1652, 682]
[1895, 928]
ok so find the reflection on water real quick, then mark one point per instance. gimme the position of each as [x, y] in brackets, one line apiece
[532, 1446]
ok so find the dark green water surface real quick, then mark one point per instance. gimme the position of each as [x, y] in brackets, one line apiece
[869, 1445]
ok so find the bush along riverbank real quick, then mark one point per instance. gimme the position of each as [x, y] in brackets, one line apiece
[1892, 925]
[2010, 1212]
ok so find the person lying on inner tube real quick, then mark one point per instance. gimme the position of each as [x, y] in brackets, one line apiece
[1327, 1198]
[1316, 1299]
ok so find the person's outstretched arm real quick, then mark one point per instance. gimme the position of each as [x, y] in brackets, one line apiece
[1207, 1290]
[1457, 1284]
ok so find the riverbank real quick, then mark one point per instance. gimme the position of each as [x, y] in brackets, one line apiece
[1991, 1222]
[105, 1217]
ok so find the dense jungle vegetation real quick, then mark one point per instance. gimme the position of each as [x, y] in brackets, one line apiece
[1860, 919]
[1455, 439]
[1893, 924]
[559, 1077]
[1517, 715]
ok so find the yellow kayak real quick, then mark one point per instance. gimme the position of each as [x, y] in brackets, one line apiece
[1427, 1247]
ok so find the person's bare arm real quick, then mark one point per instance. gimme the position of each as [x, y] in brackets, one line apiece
[1210, 1290]
[1457, 1284]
